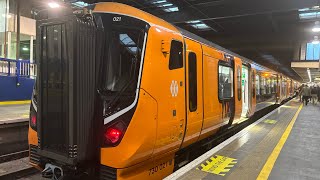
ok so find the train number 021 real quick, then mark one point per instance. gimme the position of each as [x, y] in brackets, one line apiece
[116, 19]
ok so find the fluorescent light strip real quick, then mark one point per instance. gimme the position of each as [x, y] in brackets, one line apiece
[80, 4]
[158, 2]
[309, 74]
[172, 9]
[197, 24]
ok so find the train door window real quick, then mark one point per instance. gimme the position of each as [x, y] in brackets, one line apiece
[239, 82]
[225, 82]
[253, 84]
[257, 85]
[192, 63]
[245, 91]
[276, 84]
[176, 55]
[267, 85]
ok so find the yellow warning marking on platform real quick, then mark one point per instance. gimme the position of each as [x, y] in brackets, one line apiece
[269, 121]
[218, 165]
[14, 102]
[267, 168]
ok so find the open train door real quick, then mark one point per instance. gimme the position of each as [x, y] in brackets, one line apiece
[253, 91]
[245, 83]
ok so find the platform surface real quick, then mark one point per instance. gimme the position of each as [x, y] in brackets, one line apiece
[246, 153]
[300, 155]
[13, 166]
[14, 113]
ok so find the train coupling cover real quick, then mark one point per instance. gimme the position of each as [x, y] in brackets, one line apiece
[52, 172]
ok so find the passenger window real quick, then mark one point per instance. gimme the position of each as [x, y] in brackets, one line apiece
[176, 55]
[192, 81]
[239, 83]
[225, 82]
[253, 84]
[257, 85]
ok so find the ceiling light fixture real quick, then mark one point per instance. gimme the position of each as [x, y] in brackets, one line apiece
[53, 5]
[315, 40]
[197, 24]
[309, 74]
[316, 27]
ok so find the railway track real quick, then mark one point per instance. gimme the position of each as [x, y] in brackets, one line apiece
[13, 140]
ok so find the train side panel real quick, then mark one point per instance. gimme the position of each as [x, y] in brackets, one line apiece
[194, 91]
[212, 107]
[167, 86]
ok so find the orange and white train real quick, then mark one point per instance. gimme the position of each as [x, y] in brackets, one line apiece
[120, 92]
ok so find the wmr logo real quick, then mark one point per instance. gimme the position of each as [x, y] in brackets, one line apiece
[218, 165]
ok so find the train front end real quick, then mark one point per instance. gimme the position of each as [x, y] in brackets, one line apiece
[87, 94]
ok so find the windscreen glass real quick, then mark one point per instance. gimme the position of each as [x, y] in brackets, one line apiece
[122, 57]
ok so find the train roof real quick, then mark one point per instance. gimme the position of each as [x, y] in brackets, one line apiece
[112, 7]
[211, 44]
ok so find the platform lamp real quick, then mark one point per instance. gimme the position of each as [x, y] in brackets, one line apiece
[315, 40]
[53, 4]
[316, 27]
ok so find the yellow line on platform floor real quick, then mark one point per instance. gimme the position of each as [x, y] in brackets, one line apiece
[14, 102]
[267, 168]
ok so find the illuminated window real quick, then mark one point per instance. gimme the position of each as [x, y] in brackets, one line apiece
[225, 82]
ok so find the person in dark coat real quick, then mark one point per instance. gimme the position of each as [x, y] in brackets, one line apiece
[318, 88]
[306, 93]
[314, 94]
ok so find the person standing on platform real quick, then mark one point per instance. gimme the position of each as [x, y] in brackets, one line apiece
[300, 92]
[306, 93]
[318, 88]
[314, 94]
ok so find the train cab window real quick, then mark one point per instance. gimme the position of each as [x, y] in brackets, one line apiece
[176, 55]
[225, 82]
[239, 82]
[192, 81]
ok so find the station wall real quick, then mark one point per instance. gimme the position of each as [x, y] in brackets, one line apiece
[9, 91]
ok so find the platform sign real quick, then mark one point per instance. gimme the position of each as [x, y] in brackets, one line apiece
[218, 165]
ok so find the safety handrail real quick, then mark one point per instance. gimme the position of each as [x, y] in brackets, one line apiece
[17, 68]
[22, 68]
